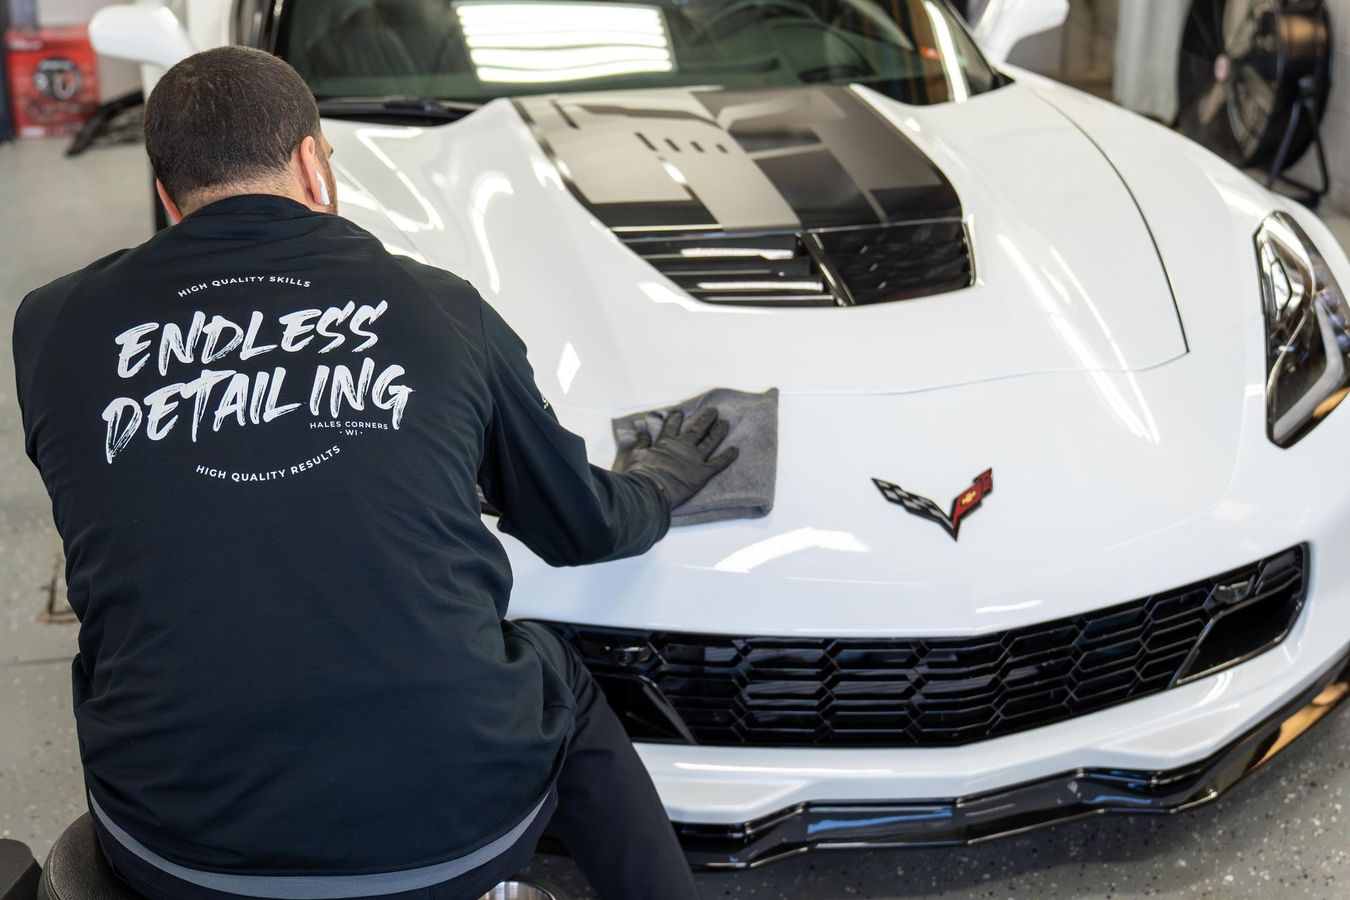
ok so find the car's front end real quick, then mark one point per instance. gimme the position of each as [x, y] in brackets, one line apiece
[1058, 528]
[845, 671]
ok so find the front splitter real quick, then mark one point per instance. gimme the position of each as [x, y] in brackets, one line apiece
[1060, 798]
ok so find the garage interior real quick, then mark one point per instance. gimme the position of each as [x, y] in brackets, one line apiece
[1280, 834]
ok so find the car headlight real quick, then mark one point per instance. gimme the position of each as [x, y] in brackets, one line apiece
[1307, 331]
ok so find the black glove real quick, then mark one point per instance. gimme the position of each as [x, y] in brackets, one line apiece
[679, 463]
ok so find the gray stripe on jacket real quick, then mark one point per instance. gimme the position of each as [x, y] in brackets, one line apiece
[321, 887]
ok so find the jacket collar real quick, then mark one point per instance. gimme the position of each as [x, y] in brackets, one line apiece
[270, 205]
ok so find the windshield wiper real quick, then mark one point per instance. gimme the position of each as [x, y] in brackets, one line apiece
[403, 110]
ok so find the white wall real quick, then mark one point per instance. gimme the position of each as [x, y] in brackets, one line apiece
[1148, 43]
[1080, 52]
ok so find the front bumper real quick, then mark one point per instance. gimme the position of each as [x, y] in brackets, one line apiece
[1072, 795]
[727, 787]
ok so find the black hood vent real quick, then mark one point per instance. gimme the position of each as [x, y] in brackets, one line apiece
[825, 267]
[741, 270]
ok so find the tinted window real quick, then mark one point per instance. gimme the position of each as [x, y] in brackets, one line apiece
[476, 50]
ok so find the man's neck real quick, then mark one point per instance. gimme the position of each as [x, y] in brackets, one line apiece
[215, 195]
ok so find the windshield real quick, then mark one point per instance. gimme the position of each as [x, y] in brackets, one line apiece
[477, 50]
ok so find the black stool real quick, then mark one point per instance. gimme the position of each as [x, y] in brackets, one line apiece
[76, 869]
[18, 871]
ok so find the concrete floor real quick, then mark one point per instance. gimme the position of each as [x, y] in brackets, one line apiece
[1282, 834]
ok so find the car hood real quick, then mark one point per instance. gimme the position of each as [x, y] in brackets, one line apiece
[1093, 489]
[532, 201]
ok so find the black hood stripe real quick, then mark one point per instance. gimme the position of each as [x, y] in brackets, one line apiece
[738, 160]
[833, 158]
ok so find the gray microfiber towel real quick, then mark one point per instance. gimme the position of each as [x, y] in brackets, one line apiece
[744, 489]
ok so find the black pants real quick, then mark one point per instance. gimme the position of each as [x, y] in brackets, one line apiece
[603, 808]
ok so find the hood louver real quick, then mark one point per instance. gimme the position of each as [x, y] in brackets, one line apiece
[824, 267]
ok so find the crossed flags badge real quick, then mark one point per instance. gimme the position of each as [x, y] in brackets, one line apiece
[963, 505]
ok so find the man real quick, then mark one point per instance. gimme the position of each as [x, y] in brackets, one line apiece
[294, 676]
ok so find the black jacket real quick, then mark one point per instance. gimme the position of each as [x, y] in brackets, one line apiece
[261, 433]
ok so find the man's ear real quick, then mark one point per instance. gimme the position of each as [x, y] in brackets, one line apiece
[317, 190]
[169, 206]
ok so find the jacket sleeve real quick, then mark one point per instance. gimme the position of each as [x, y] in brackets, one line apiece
[536, 473]
[33, 324]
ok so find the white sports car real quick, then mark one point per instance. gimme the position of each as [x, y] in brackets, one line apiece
[1119, 355]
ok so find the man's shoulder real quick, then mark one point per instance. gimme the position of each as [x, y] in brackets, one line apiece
[442, 281]
[37, 315]
[441, 284]
[43, 304]
[451, 297]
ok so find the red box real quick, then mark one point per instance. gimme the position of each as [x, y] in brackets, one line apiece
[53, 79]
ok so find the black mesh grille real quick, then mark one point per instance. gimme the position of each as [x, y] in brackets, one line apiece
[723, 690]
[829, 267]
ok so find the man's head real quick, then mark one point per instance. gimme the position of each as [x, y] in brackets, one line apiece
[234, 121]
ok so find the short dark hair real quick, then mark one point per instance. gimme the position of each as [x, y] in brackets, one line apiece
[224, 116]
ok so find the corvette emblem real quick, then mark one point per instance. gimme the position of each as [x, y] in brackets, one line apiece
[965, 503]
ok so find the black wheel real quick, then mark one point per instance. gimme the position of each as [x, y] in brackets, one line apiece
[1243, 68]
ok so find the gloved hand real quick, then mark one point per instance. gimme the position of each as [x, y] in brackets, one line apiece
[680, 463]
